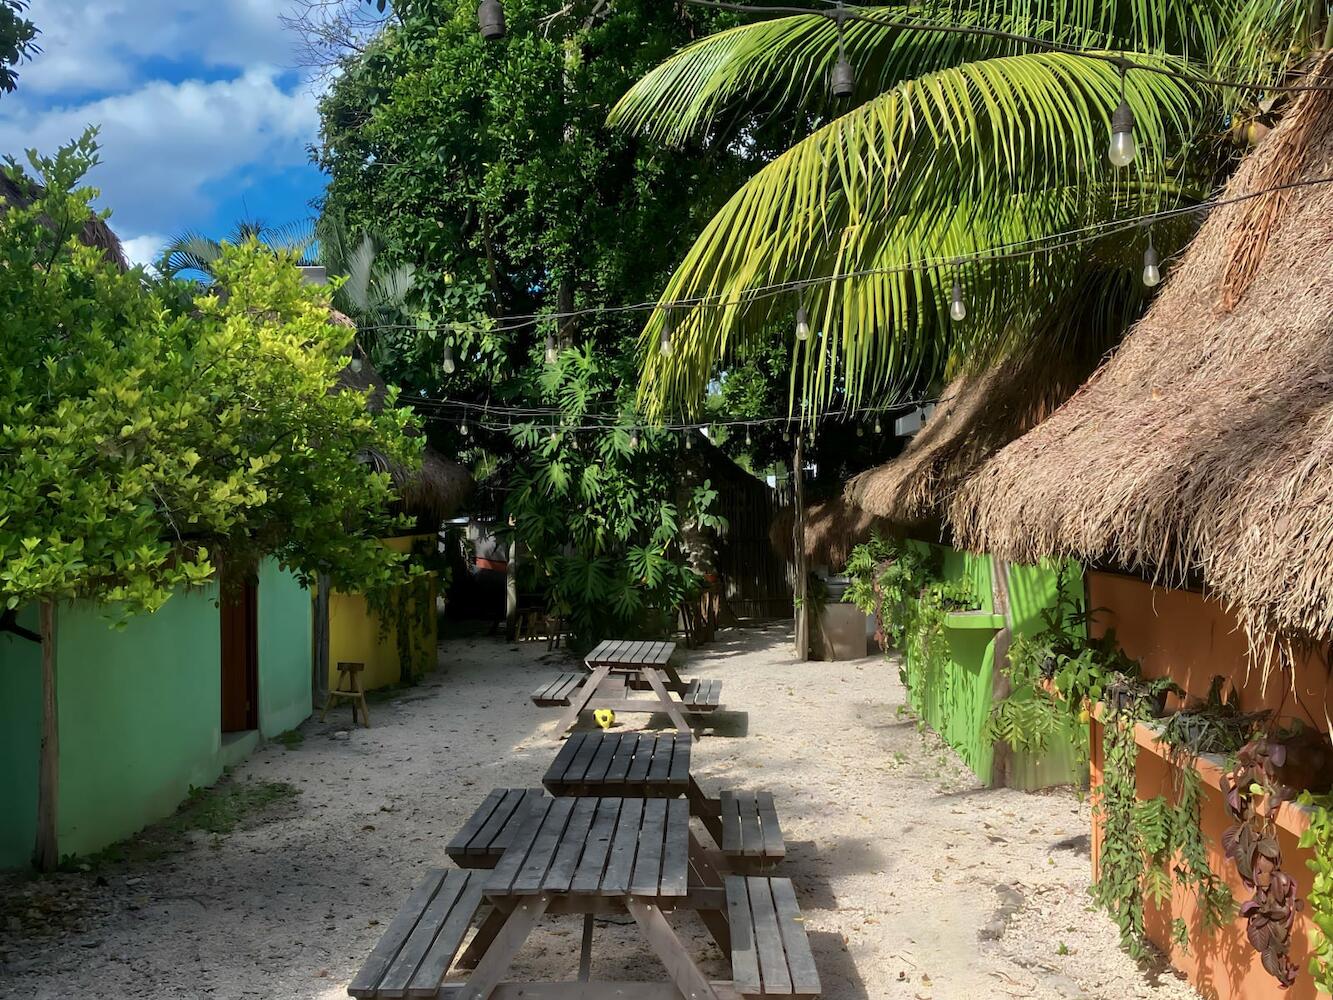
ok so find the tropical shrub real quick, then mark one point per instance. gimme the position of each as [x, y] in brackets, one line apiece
[149, 436]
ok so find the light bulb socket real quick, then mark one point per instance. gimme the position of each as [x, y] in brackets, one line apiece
[1122, 119]
[448, 361]
[491, 19]
[1150, 258]
[843, 81]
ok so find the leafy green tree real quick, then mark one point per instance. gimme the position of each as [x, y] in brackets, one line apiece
[952, 143]
[18, 41]
[150, 437]
[602, 512]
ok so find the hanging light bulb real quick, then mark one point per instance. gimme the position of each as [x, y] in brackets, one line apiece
[491, 19]
[957, 307]
[802, 323]
[462, 428]
[448, 362]
[355, 364]
[843, 81]
[555, 437]
[748, 440]
[1152, 267]
[786, 437]
[668, 328]
[552, 355]
[634, 439]
[1123, 148]
[689, 440]
[860, 431]
[878, 428]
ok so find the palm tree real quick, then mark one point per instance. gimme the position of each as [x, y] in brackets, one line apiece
[373, 293]
[952, 143]
[194, 253]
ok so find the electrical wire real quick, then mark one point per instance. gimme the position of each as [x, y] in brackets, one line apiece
[1021, 249]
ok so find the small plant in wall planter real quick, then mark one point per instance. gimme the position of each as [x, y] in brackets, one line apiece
[1253, 796]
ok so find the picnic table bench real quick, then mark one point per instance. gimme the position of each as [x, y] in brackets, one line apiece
[590, 856]
[621, 669]
[743, 824]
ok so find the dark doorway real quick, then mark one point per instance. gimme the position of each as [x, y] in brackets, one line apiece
[239, 613]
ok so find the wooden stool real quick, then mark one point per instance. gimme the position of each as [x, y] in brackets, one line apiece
[349, 687]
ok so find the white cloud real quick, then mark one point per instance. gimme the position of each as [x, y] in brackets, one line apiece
[164, 143]
[146, 250]
[99, 46]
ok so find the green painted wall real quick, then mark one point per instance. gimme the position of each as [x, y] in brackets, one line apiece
[140, 711]
[140, 716]
[955, 699]
[20, 741]
[285, 656]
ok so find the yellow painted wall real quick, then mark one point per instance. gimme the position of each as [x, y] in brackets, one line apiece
[355, 636]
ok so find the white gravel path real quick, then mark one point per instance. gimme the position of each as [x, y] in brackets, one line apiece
[915, 882]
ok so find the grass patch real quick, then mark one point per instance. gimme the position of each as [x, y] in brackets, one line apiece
[218, 810]
[291, 739]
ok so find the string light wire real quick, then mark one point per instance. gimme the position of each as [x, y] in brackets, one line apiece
[1021, 249]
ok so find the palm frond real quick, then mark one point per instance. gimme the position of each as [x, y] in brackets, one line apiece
[987, 153]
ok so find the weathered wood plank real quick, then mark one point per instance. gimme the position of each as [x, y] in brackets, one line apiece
[752, 835]
[643, 759]
[459, 845]
[795, 941]
[399, 974]
[624, 846]
[431, 972]
[391, 941]
[647, 877]
[504, 873]
[767, 937]
[601, 761]
[532, 876]
[588, 875]
[774, 847]
[556, 772]
[572, 843]
[676, 857]
[744, 952]
[731, 823]
[681, 748]
[627, 745]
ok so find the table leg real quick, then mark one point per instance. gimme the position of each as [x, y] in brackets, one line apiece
[495, 963]
[580, 699]
[679, 965]
[671, 708]
[585, 952]
[708, 810]
[482, 939]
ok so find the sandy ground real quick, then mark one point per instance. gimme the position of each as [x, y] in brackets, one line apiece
[915, 882]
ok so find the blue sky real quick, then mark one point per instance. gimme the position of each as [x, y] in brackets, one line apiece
[203, 119]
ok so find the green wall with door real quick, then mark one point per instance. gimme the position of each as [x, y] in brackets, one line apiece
[139, 710]
[952, 689]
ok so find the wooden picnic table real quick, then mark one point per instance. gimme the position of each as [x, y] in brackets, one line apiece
[621, 669]
[590, 856]
[744, 825]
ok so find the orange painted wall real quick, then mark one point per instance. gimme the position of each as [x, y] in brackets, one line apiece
[1191, 638]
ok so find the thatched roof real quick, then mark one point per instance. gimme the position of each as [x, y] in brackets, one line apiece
[440, 487]
[832, 529]
[1206, 444]
[96, 233]
[977, 414]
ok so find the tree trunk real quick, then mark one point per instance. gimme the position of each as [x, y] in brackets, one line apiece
[47, 854]
[802, 581]
[511, 591]
[319, 680]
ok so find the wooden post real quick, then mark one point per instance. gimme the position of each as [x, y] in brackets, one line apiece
[511, 591]
[802, 575]
[319, 681]
[1002, 760]
[47, 853]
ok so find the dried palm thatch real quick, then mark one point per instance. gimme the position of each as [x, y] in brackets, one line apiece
[832, 529]
[439, 487]
[1206, 444]
[976, 415]
[96, 233]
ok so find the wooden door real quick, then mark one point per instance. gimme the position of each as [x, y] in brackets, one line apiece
[239, 612]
